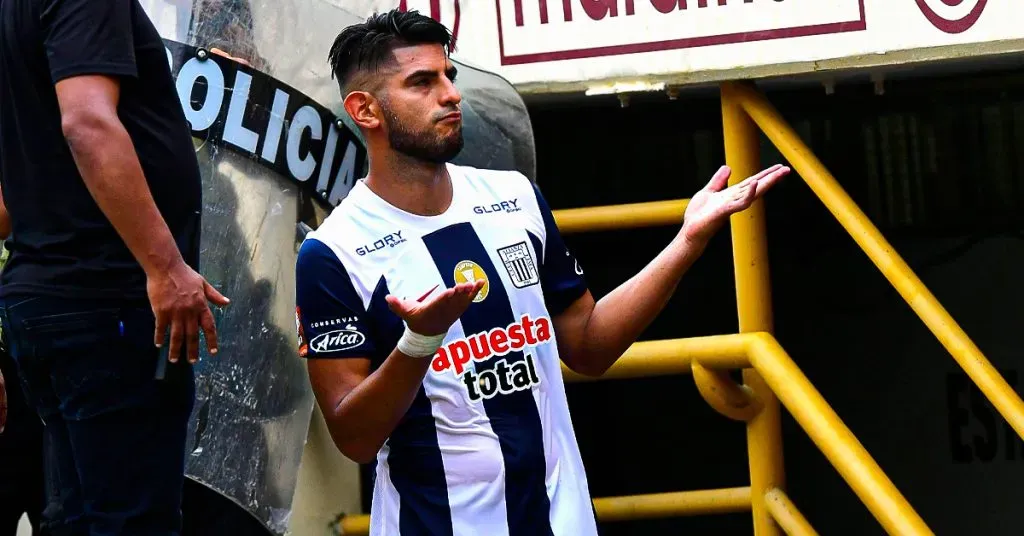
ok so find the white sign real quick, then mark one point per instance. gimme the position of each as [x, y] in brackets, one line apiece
[571, 45]
[530, 32]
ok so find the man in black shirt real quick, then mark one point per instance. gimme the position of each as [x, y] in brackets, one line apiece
[99, 174]
[21, 483]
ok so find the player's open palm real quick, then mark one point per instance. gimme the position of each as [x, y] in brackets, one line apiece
[711, 207]
[435, 315]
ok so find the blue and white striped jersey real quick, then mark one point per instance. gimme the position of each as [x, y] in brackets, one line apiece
[487, 447]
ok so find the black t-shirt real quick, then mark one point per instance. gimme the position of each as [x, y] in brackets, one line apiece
[62, 244]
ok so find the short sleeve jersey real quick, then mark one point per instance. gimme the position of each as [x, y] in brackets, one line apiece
[62, 244]
[487, 446]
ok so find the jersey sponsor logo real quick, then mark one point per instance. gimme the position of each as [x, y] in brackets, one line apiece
[494, 343]
[504, 378]
[388, 241]
[519, 264]
[468, 272]
[333, 322]
[508, 207]
[337, 340]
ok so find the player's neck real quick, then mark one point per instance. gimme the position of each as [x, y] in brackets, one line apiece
[415, 186]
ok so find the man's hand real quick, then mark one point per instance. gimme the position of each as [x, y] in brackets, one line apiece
[178, 298]
[362, 408]
[712, 206]
[3, 403]
[436, 316]
[221, 53]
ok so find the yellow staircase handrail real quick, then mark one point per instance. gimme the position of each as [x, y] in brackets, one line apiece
[763, 353]
[878, 249]
[618, 217]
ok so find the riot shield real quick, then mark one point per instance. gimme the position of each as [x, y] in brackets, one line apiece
[274, 153]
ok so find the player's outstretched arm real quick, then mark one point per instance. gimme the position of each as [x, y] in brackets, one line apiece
[591, 336]
[362, 408]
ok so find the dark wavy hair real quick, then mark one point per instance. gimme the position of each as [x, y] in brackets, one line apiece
[368, 47]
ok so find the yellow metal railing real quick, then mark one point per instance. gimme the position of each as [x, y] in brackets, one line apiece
[760, 352]
[788, 517]
[870, 239]
[769, 375]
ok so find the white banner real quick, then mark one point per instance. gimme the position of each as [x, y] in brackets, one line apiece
[551, 45]
[530, 32]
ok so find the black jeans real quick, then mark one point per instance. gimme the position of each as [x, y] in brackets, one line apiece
[115, 435]
[21, 457]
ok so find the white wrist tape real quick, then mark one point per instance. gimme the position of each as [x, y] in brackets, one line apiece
[413, 344]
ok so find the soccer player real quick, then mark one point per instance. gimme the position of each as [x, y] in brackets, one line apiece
[436, 301]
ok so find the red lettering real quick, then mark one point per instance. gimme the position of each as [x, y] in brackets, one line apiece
[435, 13]
[499, 342]
[527, 325]
[516, 334]
[543, 329]
[542, 6]
[441, 361]
[479, 346]
[460, 355]
[597, 9]
[666, 6]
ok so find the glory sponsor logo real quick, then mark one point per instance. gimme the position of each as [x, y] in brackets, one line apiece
[494, 343]
[391, 240]
[508, 206]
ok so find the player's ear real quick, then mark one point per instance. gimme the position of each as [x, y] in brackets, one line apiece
[363, 108]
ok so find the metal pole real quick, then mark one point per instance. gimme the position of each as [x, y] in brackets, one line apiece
[753, 297]
[880, 251]
[835, 440]
[788, 515]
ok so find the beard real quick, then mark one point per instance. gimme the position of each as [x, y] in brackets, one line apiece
[428, 146]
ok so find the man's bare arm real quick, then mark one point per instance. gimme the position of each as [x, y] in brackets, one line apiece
[591, 336]
[110, 168]
[107, 161]
[362, 409]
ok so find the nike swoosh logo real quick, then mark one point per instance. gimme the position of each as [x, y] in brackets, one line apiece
[429, 292]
